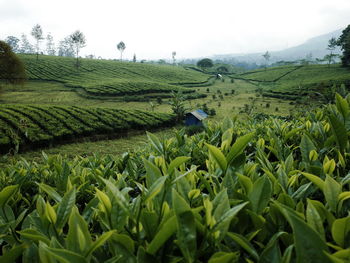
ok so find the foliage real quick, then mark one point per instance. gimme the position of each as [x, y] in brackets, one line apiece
[121, 47]
[205, 63]
[37, 33]
[11, 67]
[102, 78]
[27, 127]
[13, 41]
[344, 43]
[78, 41]
[177, 103]
[242, 191]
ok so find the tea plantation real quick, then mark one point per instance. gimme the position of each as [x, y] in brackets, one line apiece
[25, 127]
[255, 190]
[295, 82]
[112, 78]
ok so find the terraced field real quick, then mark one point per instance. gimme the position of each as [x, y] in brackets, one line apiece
[25, 126]
[292, 82]
[112, 78]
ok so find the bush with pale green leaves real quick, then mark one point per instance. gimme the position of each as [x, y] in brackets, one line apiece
[243, 191]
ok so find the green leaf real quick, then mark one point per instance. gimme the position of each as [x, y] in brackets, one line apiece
[186, 227]
[156, 144]
[14, 253]
[272, 252]
[226, 124]
[306, 146]
[177, 162]
[308, 243]
[341, 231]
[339, 132]
[35, 235]
[245, 182]
[99, 242]
[51, 192]
[314, 219]
[315, 179]
[245, 244]
[238, 147]
[7, 193]
[65, 208]
[118, 196]
[78, 238]
[260, 195]
[287, 256]
[331, 191]
[224, 257]
[166, 230]
[155, 188]
[217, 156]
[125, 241]
[64, 255]
[228, 216]
[342, 105]
[152, 172]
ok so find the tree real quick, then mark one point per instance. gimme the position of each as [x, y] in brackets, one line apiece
[177, 103]
[267, 58]
[121, 47]
[13, 42]
[173, 54]
[11, 67]
[65, 48]
[37, 33]
[205, 63]
[78, 40]
[134, 58]
[26, 46]
[50, 45]
[344, 43]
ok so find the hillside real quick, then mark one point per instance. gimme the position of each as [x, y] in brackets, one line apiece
[291, 82]
[111, 78]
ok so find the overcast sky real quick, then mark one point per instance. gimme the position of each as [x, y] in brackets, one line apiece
[152, 29]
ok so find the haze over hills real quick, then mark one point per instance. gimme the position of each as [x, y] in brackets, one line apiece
[316, 46]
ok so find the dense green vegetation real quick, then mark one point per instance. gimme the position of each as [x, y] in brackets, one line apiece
[25, 127]
[296, 82]
[112, 78]
[256, 190]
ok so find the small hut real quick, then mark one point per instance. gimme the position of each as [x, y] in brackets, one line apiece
[195, 118]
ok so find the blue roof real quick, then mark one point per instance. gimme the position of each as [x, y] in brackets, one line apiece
[199, 114]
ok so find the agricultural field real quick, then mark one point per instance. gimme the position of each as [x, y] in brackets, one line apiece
[296, 82]
[112, 78]
[244, 190]
[31, 126]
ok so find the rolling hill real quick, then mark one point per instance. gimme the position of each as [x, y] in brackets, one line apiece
[112, 78]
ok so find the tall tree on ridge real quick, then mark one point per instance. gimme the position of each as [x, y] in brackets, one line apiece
[78, 40]
[267, 58]
[121, 47]
[37, 33]
[173, 55]
[26, 46]
[50, 45]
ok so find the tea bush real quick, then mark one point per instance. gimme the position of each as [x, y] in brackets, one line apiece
[255, 190]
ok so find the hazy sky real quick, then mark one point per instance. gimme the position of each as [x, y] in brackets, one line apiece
[193, 28]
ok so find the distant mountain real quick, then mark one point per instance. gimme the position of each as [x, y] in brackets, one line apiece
[316, 46]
